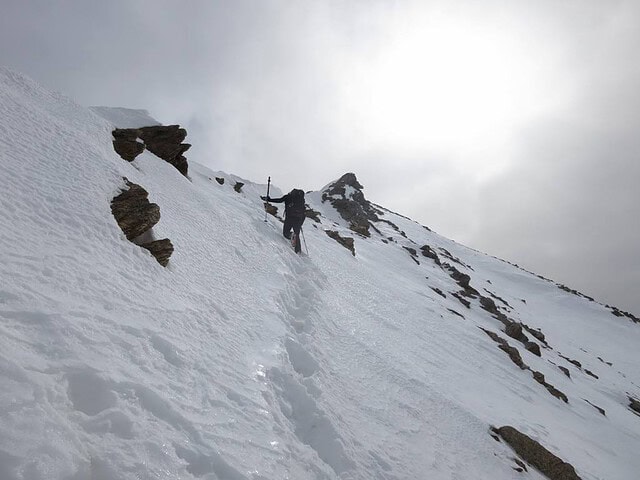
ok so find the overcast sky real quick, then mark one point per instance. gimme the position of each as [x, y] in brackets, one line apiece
[510, 126]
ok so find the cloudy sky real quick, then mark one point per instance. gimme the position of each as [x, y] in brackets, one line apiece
[511, 126]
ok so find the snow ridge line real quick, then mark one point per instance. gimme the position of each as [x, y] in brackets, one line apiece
[294, 384]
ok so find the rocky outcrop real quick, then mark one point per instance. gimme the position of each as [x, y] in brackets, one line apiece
[238, 186]
[126, 144]
[136, 217]
[535, 454]
[346, 242]
[346, 196]
[515, 357]
[634, 405]
[160, 249]
[220, 180]
[163, 141]
[133, 211]
[429, 252]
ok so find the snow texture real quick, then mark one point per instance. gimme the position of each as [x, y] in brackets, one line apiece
[242, 360]
[125, 117]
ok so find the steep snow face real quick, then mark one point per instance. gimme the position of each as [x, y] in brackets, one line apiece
[242, 360]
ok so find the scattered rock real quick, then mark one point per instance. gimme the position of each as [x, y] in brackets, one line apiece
[573, 362]
[163, 141]
[462, 300]
[565, 370]
[514, 330]
[438, 291]
[271, 209]
[455, 313]
[238, 187]
[126, 144]
[448, 255]
[220, 180]
[347, 198]
[601, 410]
[346, 242]
[533, 347]
[312, 214]
[513, 352]
[489, 305]
[429, 252]
[496, 297]
[608, 363]
[133, 211]
[591, 374]
[634, 405]
[535, 454]
[166, 142]
[160, 249]
[536, 333]
[539, 377]
[413, 253]
[136, 216]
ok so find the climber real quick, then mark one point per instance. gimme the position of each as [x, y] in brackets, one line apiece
[294, 214]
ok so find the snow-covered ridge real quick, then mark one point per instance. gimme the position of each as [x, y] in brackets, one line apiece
[126, 117]
[241, 360]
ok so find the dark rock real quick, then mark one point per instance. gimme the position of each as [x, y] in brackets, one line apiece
[126, 144]
[312, 214]
[160, 249]
[574, 362]
[535, 454]
[591, 374]
[489, 305]
[438, 291]
[429, 252]
[133, 211]
[514, 355]
[271, 209]
[346, 242]
[163, 141]
[539, 377]
[238, 187]
[413, 253]
[513, 352]
[463, 280]
[536, 333]
[634, 405]
[352, 206]
[565, 370]
[533, 348]
[463, 301]
[514, 330]
[220, 180]
[601, 410]
[455, 313]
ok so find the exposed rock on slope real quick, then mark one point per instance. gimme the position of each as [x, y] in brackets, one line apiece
[133, 211]
[163, 141]
[347, 198]
[346, 242]
[136, 216]
[538, 456]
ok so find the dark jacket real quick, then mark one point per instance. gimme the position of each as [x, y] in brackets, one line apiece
[293, 203]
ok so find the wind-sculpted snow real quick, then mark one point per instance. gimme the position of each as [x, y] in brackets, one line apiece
[242, 360]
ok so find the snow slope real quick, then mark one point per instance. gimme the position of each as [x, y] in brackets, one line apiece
[242, 360]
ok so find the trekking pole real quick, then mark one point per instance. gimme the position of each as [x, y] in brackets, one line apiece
[304, 240]
[265, 207]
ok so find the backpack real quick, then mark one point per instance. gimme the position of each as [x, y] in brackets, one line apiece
[295, 204]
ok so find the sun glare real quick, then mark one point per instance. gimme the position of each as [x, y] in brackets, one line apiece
[441, 84]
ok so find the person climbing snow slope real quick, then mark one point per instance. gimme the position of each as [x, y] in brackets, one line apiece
[294, 214]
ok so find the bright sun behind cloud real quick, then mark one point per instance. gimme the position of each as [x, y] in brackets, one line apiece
[440, 84]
